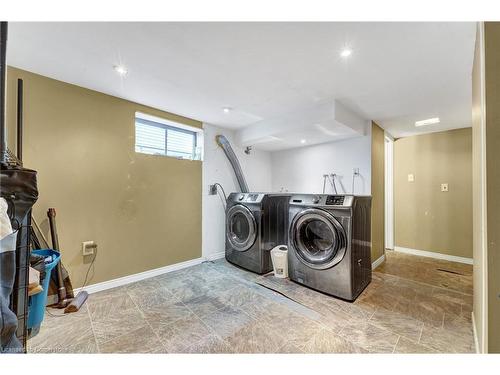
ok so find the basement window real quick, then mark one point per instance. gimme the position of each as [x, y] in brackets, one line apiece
[158, 136]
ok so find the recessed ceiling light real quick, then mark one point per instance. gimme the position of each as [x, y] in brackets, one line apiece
[121, 70]
[303, 141]
[346, 52]
[226, 109]
[429, 121]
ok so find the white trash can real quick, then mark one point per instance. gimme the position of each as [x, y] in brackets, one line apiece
[279, 257]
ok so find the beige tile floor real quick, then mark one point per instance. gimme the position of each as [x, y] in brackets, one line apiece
[413, 305]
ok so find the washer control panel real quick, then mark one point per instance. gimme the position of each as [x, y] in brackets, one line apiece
[335, 200]
[322, 200]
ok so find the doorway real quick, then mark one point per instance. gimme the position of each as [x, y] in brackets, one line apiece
[389, 191]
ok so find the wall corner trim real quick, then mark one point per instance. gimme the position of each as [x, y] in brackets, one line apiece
[99, 287]
[474, 331]
[378, 262]
[215, 256]
[431, 254]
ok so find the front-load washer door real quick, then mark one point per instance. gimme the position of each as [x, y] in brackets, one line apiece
[319, 240]
[241, 229]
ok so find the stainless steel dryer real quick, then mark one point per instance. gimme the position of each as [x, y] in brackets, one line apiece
[255, 224]
[329, 245]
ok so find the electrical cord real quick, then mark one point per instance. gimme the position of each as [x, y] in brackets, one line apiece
[54, 315]
[223, 191]
[83, 286]
[217, 186]
[88, 270]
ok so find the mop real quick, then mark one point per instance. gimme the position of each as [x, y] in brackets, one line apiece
[68, 304]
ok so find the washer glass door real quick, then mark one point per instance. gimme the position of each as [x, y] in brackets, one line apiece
[319, 239]
[240, 228]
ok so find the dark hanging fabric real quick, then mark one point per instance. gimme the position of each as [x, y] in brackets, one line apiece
[9, 343]
[19, 189]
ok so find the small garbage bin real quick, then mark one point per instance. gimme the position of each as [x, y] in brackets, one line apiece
[279, 257]
[37, 302]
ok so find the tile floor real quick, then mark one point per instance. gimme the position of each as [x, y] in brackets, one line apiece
[413, 305]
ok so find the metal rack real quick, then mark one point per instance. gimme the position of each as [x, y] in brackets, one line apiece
[19, 189]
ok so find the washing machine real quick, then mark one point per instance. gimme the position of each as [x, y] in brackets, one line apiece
[255, 224]
[329, 243]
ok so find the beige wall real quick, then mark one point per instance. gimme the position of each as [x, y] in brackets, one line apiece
[492, 90]
[143, 211]
[377, 188]
[426, 218]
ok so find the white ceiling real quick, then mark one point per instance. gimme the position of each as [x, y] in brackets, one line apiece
[397, 74]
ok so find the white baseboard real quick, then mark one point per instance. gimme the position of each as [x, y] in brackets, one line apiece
[378, 262]
[476, 341]
[215, 256]
[222, 254]
[98, 287]
[431, 254]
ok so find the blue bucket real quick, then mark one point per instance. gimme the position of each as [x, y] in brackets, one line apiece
[37, 303]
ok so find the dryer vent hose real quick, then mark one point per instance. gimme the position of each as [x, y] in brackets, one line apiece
[228, 150]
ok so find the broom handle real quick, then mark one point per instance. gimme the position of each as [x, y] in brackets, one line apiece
[61, 290]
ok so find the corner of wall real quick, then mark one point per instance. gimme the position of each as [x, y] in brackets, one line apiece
[377, 190]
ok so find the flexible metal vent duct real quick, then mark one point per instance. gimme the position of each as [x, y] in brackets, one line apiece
[228, 150]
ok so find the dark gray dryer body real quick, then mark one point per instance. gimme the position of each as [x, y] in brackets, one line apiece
[255, 224]
[329, 245]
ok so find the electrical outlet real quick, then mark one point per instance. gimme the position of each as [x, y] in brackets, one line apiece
[411, 177]
[88, 248]
[212, 190]
[444, 187]
[355, 170]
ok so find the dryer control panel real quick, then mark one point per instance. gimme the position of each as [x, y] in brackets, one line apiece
[249, 197]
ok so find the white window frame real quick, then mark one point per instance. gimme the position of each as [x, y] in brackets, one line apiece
[166, 124]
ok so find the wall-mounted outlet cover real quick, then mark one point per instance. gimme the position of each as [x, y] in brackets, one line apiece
[444, 187]
[355, 170]
[411, 177]
[212, 190]
[88, 248]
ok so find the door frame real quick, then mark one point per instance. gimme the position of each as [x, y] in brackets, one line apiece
[389, 190]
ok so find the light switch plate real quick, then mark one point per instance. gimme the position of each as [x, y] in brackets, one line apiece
[444, 187]
[411, 177]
